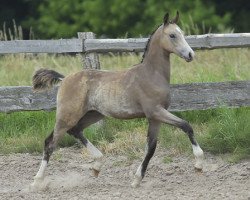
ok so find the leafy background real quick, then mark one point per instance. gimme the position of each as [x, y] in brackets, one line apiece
[119, 18]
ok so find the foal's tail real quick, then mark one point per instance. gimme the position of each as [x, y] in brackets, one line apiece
[44, 79]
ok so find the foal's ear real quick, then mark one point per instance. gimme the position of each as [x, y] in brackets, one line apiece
[166, 19]
[176, 19]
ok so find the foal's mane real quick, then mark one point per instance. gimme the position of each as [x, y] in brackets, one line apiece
[147, 45]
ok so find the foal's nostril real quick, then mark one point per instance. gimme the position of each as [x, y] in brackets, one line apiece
[190, 55]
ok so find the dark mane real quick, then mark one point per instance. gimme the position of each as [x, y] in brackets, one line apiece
[147, 45]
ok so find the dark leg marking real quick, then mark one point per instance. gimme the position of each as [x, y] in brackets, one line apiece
[153, 130]
[185, 126]
[89, 118]
[48, 147]
[152, 142]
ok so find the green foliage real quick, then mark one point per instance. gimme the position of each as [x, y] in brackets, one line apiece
[118, 18]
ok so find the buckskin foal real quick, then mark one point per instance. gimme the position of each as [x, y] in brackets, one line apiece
[143, 91]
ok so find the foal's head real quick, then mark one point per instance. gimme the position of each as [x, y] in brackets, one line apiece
[172, 39]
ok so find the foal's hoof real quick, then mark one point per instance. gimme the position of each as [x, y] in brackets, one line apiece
[198, 170]
[95, 172]
[136, 182]
[38, 184]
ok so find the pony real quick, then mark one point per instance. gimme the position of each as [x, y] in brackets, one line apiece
[142, 91]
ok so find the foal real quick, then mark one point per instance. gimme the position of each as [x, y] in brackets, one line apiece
[142, 91]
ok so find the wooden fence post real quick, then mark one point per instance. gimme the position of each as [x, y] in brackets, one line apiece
[90, 60]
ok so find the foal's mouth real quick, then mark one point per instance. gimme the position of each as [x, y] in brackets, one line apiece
[188, 59]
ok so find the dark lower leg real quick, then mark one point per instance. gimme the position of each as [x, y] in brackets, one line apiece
[78, 135]
[189, 131]
[88, 119]
[48, 147]
[151, 146]
[152, 142]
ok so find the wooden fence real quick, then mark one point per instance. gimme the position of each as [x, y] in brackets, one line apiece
[194, 96]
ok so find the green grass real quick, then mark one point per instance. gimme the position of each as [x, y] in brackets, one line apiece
[208, 66]
[229, 132]
[22, 132]
[218, 130]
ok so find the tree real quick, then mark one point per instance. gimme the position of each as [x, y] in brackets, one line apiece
[239, 11]
[119, 18]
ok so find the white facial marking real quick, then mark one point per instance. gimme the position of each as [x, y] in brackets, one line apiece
[178, 30]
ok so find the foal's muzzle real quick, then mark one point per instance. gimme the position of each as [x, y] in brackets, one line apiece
[189, 57]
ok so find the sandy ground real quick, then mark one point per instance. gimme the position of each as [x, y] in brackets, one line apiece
[69, 177]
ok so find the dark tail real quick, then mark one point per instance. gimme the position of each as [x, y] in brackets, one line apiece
[44, 79]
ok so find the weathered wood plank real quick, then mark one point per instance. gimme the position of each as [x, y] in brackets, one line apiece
[208, 41]
[216, 41]
[41, 46]
[115, 45]
[202, 96]
[193, 96]
[18, 98]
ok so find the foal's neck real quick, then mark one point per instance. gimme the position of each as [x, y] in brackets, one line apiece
[156, 59]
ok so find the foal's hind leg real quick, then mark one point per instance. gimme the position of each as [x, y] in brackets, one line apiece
[153, 130]
[89, 118]
[163, 115]
[49, 146]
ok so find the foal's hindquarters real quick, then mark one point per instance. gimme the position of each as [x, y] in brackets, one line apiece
[72, 116]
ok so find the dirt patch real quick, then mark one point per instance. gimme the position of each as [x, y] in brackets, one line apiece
[69, 177]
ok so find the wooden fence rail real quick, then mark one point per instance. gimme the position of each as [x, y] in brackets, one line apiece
[208, 41]
[194, 96]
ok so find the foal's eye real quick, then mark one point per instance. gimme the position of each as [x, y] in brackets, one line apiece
[172, 36]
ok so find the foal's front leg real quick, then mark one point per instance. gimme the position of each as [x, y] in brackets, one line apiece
[165, 116]
[153, 130]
